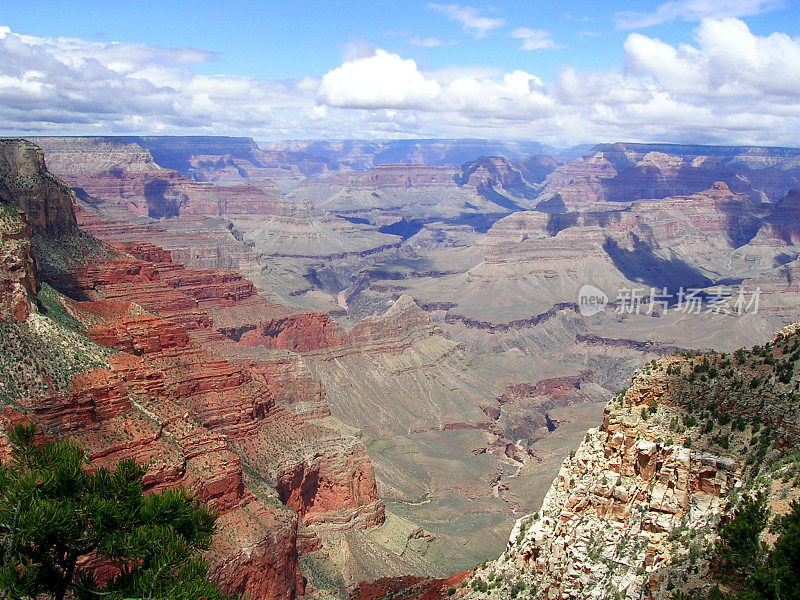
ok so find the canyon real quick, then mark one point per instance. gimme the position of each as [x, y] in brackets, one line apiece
[371, 357]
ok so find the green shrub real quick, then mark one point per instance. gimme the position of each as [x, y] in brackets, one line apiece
[60, 519]
[739, 548]
[479, 585]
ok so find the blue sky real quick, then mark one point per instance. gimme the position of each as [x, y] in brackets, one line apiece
[592, 70]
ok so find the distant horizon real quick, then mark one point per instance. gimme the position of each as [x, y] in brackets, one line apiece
[258, 142]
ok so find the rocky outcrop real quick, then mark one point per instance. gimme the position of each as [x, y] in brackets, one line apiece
[323, 485]
[259, 556]
[26, 184]
[18, 275]
[611, 509]
[627, 172]
[634, 510]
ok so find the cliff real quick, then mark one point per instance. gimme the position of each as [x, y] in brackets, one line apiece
[26, 184]
[18, 276]
[635, 510]
[119, 361]
[626, 172]
[138, 175]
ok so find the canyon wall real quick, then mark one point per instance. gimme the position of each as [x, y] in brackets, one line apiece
[635, 510]
[143, 385]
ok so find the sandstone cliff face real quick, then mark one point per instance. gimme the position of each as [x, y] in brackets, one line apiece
[18, 281]
[495, 173]
[120, 173]
[625, 172]
[26, 184]
[325, 484]
[122, 366]
[634, 510]
[76, 156]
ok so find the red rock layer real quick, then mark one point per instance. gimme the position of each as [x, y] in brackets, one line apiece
[174, 406]
[326, 483]
[194, 417]
[166, 193]
[409, 587]
[17, 269]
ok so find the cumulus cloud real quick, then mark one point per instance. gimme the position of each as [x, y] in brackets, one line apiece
[428, 42]
[727, 86]
[695, 10]
[731, 86]
[388, 81]
[534, 39]
[471, 19]
[729, 62]
[383, 80]
[77, 86]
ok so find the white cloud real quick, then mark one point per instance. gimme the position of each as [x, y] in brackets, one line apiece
[471, 18]
[731, 86]
[695, 10]
[729, 62]
[387, 81]
[727, 86]
[534, 39]
[383, 80]
[428, 42]
[75, 86]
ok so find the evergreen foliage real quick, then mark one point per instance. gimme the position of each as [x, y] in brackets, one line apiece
[747, 565]
[740, 549]
[62, 523]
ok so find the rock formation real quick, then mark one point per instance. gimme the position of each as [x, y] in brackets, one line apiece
[141, 384]
[26, 184]
[624, 172]
[634, 510]
[18, 277]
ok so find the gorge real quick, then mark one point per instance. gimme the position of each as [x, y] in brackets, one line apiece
[372, 361]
